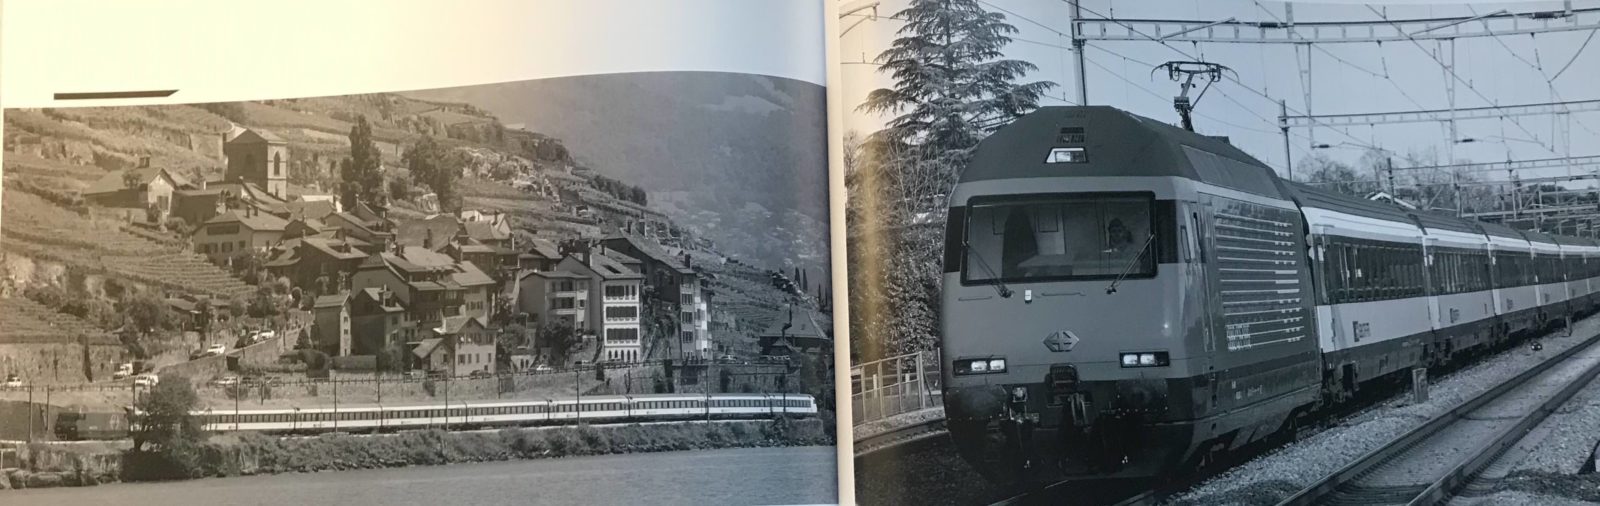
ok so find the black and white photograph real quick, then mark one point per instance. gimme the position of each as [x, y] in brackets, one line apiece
[1233, 252]
[600, 289]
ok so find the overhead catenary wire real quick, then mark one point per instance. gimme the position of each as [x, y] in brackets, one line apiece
[1234, 79]
[1455, 76]
[1385, 75]
[1538, 66]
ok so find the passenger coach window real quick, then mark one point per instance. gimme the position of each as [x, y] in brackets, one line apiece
[1091, 236]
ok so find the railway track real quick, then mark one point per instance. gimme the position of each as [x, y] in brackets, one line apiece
[905, 435]
[1448, 455]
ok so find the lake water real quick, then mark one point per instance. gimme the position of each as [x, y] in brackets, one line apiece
[796, 475]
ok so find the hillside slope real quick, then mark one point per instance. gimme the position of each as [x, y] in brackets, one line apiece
[742, 158]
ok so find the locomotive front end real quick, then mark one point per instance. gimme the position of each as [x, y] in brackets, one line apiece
[1077, 333]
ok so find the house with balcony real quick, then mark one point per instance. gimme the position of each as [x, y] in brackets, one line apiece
[430, 285]
[615, 302]
[143, 187]
[676, 285]
[458, 346]
[540, 255]
[378, 320]
[560, 296]
[331, 323]
[323, 262]
[237, 232]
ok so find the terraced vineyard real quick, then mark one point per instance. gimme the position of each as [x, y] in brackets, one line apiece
[39, 229]
[27, 321]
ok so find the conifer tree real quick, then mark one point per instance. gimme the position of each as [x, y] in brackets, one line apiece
[952, 84]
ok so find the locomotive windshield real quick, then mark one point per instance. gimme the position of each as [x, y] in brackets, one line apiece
[1069, 237]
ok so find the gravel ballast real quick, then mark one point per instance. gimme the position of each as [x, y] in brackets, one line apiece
[1272, 477]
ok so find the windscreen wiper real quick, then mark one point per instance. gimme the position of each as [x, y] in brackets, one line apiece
[1125, 270]
[999, 284]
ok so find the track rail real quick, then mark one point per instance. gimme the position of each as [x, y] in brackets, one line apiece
[905, 435]
[1358, 483]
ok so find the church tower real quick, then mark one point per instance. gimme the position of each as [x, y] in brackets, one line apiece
[259, 157]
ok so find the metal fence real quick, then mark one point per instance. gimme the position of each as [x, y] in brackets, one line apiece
[895, 385]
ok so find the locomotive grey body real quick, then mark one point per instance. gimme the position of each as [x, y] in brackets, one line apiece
[1123, 298]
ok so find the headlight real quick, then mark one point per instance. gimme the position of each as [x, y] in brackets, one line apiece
[984, 365]
[1146, 359]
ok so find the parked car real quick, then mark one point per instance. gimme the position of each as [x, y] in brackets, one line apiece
[12, 381]
[543, 368]
[226, 381]
[146, 380]
[217, 349]
[124, 370]
[265, 335]
[415, 375]
[479, 374]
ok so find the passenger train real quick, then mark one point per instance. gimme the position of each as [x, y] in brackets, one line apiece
[468, 414]
[1126, 299]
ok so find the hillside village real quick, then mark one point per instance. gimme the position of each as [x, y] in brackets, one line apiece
[144, 233]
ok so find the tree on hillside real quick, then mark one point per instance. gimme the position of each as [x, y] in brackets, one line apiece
[952, 84]
[146, 312]
[438, 168]
[560, 339]
[392, 358]
[362, 173]
[204, 315]
[163, 417]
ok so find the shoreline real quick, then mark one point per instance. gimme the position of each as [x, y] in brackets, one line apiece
[248, 454]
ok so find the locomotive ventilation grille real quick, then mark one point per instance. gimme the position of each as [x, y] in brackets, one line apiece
[1259, 272]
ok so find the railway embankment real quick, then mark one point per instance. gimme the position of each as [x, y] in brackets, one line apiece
[244, 454]
[1271, 477]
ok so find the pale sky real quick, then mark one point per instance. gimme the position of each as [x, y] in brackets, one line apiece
[1371, 78]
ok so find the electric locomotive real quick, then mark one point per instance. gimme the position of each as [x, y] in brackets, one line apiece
[1121, 298]
[1126, 299]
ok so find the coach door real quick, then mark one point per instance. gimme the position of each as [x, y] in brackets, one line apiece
[1335, 271]
[1428, 244]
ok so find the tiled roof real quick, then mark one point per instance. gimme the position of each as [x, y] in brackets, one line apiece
[470, 275]
[610, 268]
[415, 232]
[328, 247]
[426, 347]
[544, 248]
[310, 209]
[331, 300]
[414, 258]
[454, 324]
[253, 221]
[485, 231]
[652, 251]
[556, 274]
[251, 135]
[375, 294]
[112, 182]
